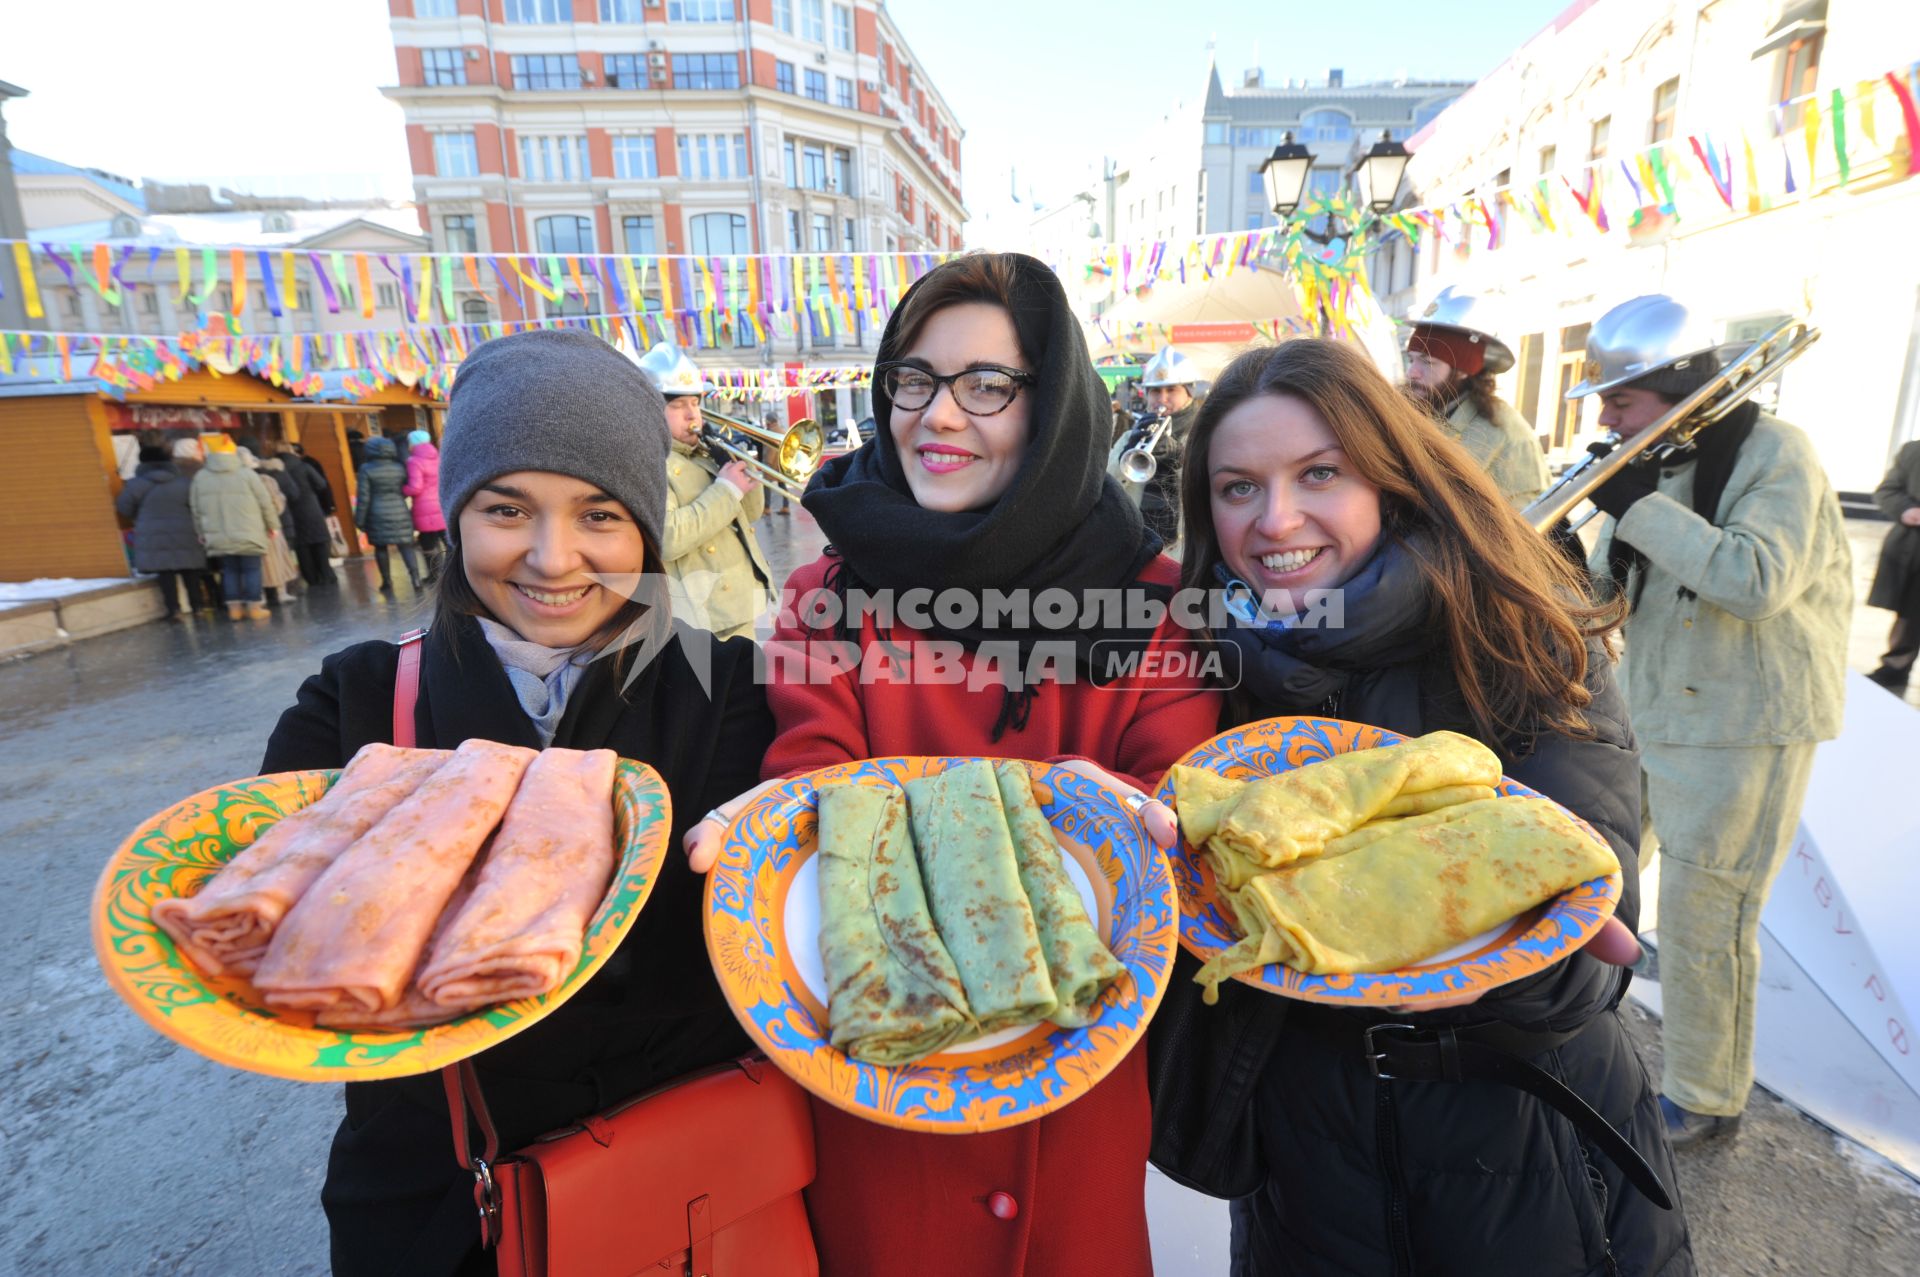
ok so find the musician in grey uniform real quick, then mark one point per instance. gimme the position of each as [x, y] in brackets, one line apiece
[707, 540]
[1733, 558]
[1452, 358]
[1175, 389]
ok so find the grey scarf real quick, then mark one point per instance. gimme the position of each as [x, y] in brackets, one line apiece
[542, 677]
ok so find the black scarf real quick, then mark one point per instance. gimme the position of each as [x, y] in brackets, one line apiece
[1062, 524]
[1714, 452]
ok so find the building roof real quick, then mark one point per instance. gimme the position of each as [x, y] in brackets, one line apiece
[247, 228]
[26, 162]
[1368, 101]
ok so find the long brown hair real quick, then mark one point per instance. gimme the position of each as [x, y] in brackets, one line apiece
[1512, 610]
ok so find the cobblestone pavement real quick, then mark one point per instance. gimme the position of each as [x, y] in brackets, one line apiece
[127, 1155]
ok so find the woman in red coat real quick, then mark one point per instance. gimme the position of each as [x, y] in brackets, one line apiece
[985, 484]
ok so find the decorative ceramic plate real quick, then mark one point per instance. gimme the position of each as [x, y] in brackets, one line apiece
[763, 926]
[1518, 947]
[175, 852]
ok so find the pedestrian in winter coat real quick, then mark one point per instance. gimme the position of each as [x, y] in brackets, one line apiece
[309, 537]
[551, 477]
[164, 539]
[1896, 580]
[1308, 471]
[986, 475]
[279, 570]
[381, 510]
[423, 489]
[237, 521]
[318, 473]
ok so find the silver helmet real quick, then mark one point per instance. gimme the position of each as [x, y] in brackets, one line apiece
[1642, 337]
[1473, 317]
[670, 368]
[1170, 368]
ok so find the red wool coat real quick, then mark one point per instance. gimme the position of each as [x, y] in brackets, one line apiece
[1057, 1197]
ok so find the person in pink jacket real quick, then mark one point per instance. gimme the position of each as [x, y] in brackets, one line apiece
[423, 485]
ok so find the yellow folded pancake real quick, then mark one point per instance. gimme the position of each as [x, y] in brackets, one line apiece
[1201, 797]
[1413, 804]
[1431, 882]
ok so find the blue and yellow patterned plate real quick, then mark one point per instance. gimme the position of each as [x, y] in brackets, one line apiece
[176, 851]
[763, 935]
[1519, 947]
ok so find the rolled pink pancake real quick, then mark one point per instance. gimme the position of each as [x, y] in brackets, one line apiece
[355, 938]
[521, 930]
[414, 1010]
[225, 927]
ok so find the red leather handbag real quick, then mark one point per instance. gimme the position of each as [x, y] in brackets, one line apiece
[700, 1178]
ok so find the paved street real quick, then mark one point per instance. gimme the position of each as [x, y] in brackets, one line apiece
[129, 1155]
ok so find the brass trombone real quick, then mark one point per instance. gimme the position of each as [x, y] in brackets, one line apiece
[797, 452]
[1732, 386]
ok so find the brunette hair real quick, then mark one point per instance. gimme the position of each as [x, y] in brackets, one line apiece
[1479, 390]
[1511, 609]
[972, 277]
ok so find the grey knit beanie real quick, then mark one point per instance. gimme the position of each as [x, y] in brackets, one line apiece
[561, 400]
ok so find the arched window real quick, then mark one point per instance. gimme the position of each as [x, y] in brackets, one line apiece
[564, 234]
[1326, 126]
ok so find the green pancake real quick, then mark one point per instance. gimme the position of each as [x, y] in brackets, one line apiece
[1079, 965]
[973, 890]
[893, 994]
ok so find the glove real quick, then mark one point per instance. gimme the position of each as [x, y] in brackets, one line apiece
[1625, 488]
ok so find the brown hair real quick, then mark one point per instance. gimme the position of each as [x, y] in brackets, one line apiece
[1511, 608]
[972, 277]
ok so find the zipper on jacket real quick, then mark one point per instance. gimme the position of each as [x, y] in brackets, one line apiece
[1597, 1184]
[1387, 1140]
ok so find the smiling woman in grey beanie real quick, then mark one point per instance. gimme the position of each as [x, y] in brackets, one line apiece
[552, 475]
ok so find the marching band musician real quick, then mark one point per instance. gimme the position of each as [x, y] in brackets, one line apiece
[1173, 387]
[1452, 359]
[707, 540]
[1734, 562]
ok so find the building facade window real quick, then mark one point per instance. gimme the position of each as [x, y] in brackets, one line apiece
[706, 156]
[443, 66]
[545, 71]
[1216, 134]
[718, 235]
[699, 10]
[822, 233]
[846, 235]
[843, 28]
[843, 92]
[436, 8]
[634, 156]
[1325, 126]
[385, 296]
[626, 71]
[1597, 138]
[706, 71]
[843, 170]
[563, 234]
[793, 232]
[637, 232]
[622, 11]
[554, 158]
[1666, 101]
[1549, 156]
[783, 16]
[1799, 70]
[474, 311]
[460, 233]
[791, 171]
[813, 21]
[1426, 113]
[783, 77]
[813, 167]
[816, 82]
[455, 155]
[538, 10]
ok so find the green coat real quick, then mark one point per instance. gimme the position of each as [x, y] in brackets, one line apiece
[1740, 633]
[1505, 447]
[709, 546]
[232, 509]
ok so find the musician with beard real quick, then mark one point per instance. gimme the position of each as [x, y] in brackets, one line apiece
[1452, 359]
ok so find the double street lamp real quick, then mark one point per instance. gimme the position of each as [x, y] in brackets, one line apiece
[1376, 178]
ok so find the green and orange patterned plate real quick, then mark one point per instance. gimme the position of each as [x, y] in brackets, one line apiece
[763, 921]
[176, 851]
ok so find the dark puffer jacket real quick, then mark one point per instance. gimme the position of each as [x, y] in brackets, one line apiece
[381, 507]
[303, 498]
[164, 539]
[1487, 1179]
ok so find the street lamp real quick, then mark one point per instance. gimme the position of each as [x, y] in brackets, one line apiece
[1377, 177]
[1285, 175]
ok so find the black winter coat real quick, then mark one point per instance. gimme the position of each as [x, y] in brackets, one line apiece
[321, 488]
[395, 1200]
[1160, 503]
[303, 501]
[1896, 580]
[164, 537]
[1491, 1181]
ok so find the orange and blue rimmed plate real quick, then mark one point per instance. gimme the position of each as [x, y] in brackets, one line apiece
[763, 926]
[176, 851]
[1522, 945]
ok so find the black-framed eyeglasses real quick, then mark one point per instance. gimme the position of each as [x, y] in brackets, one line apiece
[982, 391]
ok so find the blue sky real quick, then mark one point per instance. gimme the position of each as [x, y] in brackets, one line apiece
[286, 91]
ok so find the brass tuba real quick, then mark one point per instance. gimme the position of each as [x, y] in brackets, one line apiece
[1726, 390]
[797, 453]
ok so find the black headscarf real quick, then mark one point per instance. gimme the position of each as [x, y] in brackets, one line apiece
[1062, 524]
